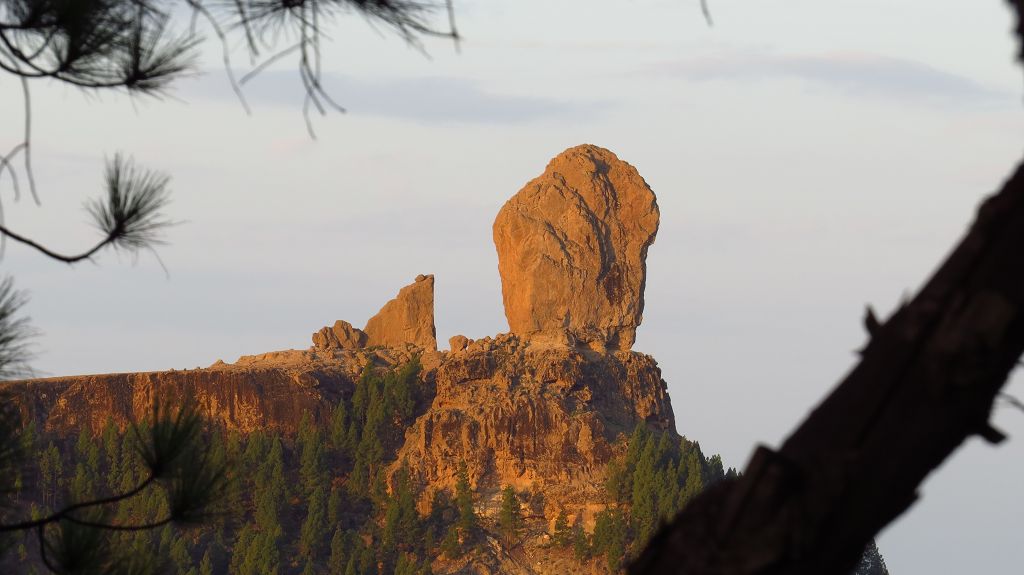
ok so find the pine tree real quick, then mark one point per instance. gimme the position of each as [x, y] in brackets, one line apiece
[239, 551]
[270, 493]
[206, 565]
[51, 469]
[615, 484]
[166, 541]
[510, 518]
[450, 547]
[112, 454]
[255, 452]
[563, 532]
[180, 556]
[716, 470]
[337, 562]
[339, 428]
[464, 502]
[312, 470]
[367, 562]
[610, 537]
[81, 484]
[310, 445]
[311, 536]
[442, 514]
[580, 544]
[335, 506]
[88, 453]
[401, 521]
[694, 476]
[871, 562]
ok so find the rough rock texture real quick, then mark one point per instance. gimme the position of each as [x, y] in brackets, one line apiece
[544, 419]
[571, 248]
[341, 336]
[458, 343]
[270, 390]
[409, 318]
[539, 418]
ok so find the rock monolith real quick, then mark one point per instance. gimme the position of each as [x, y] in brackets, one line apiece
[409, 318]
[572, 246]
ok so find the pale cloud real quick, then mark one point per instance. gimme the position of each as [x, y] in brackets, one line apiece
[424, 100]
[854, 74]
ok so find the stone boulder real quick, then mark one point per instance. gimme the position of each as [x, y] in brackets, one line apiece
[572, 248]
[458, 343]
[342, 335]
[409, 318]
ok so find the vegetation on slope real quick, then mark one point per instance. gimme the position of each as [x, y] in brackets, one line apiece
[318, 501]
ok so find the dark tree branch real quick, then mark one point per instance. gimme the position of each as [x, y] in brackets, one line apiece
[129, 216]
[926, 382]
[52, 254]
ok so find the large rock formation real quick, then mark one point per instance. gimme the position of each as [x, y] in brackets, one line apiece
[519, 411]
[572, 246]
[542, 419]
[409, 318]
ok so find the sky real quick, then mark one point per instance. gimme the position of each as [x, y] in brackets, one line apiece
[810, 158]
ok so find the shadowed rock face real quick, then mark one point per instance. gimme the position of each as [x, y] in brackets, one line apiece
[572, 246]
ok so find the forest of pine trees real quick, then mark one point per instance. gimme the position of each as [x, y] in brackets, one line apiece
[317, 502]
[649, 484]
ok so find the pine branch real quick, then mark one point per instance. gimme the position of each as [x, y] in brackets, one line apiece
[129, 216]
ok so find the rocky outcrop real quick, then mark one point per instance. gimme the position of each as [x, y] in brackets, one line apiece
[409, 318]
[572, 246]
[340, 336]
[458, 343]
[540, 418]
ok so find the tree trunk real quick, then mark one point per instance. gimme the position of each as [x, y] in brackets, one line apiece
[926, 382]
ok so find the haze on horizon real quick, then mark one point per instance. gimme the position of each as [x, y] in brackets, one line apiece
[808, 158]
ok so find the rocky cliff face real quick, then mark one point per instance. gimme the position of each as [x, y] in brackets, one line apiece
[544, 420]
[539, 418]
[572, 246]
[543, 409]
[266, 391]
